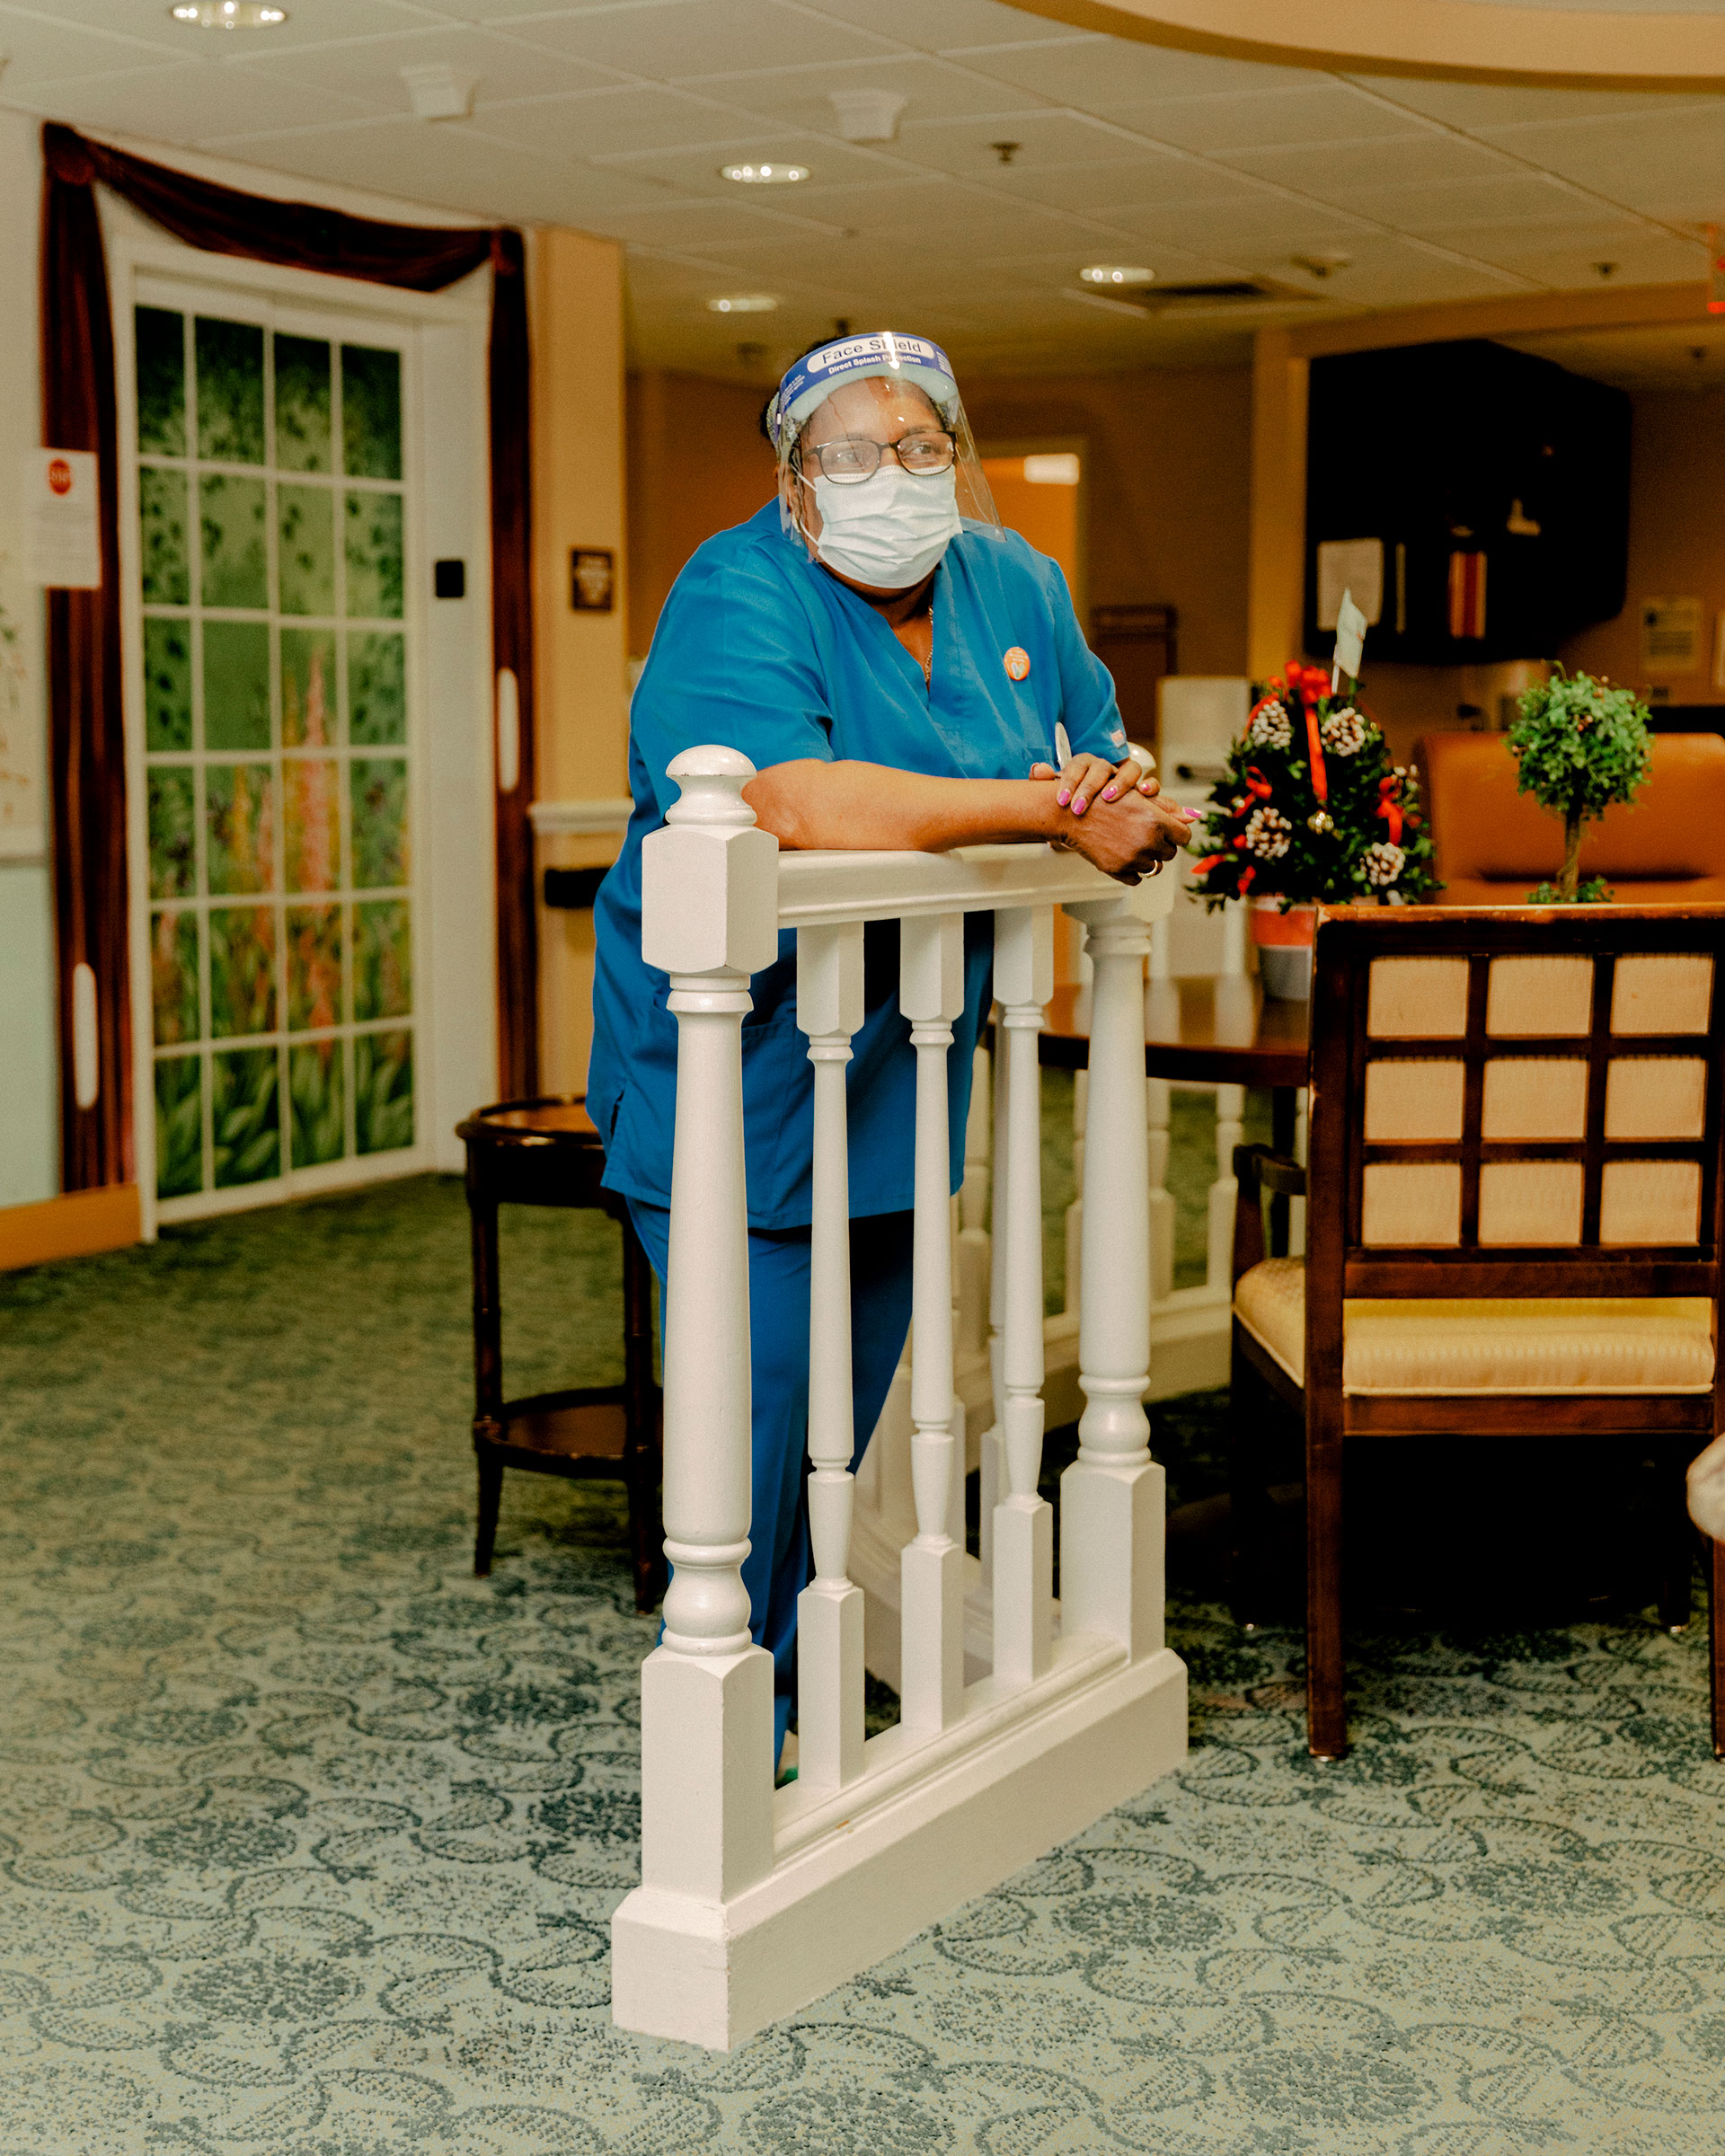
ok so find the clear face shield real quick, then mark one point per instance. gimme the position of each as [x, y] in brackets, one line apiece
[878, 469]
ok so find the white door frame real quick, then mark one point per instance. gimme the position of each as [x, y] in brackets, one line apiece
[454, 888]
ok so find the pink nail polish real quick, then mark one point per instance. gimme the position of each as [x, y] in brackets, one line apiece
[1079, 806]
[1108, 792]
[1063, 798]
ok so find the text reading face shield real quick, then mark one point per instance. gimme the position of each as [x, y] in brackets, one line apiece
[878, 470]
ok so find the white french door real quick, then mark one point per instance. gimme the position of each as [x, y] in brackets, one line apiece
[278, 586]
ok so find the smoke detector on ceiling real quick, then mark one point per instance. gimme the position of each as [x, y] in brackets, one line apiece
[436, 91]
[1322, 263]
[868, 115]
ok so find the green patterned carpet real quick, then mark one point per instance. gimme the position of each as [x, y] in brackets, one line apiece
[309, 1840]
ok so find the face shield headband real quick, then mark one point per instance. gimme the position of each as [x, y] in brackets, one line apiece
[817, 376]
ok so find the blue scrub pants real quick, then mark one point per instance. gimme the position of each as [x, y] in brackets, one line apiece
[778, 1565]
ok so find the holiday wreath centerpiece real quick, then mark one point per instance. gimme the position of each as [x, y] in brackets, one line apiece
[1582, 744]
[1311, 808]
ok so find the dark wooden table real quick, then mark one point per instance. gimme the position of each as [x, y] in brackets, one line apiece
[1216, 1031]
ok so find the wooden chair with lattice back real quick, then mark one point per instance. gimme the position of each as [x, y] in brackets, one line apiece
[546, 1152]
[1513, 1210]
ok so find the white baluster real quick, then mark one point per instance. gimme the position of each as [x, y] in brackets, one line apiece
[1023, 1521]
[1074, 1219]
[1111, 1497]
[709, 919]
[973, 1252]
[988, 1477]
[1159, 1104]
[1230, 1126]
[829, 1609]
[930, 993]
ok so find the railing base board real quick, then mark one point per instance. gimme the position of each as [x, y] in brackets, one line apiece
[713, 1974]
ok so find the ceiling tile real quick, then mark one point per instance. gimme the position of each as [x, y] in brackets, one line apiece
[42, 52]
[1113, 191]
[935, 90]
[1094, 71]
[1634, 157]
[309, 22]
[371, 67]
[1048, 140]
[450, 166]
[732, 141]
[1328, 169]
[612, 121]
[674, 40]
[1493, 199]
[190, 103]
[1249, 218]
[1326, 113]
[953, 22]
[1473, 106]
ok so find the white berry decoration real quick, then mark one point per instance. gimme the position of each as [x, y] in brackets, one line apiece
[1268, 833]
[1383, 862]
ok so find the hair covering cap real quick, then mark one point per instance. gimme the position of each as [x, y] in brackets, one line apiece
[813, 379]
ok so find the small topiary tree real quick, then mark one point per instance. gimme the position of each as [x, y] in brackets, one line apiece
[1582, 744]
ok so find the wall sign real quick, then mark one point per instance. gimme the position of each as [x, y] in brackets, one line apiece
[592, 579]
[1351, 566]
[62, 536]
[1670, 636]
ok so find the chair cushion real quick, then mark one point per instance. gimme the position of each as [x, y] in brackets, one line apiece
[1593, 1345]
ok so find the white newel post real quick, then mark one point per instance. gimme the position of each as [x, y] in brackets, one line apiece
[972, 1252]
[989, 1475]
[1023, 1567]
[829, 1609]
[1111, 1498]
[930, 994]
[1230, 1126]
[709, 919]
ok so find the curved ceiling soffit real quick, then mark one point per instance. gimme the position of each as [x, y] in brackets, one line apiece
[1456, 41]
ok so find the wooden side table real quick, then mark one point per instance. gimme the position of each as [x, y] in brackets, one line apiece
[546, 1152]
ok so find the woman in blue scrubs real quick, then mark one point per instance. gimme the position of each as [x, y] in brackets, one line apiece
[896, 670]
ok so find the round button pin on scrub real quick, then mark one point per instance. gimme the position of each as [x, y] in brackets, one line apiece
[1017, 662]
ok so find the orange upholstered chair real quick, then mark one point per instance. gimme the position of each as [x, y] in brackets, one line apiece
[1492, 846]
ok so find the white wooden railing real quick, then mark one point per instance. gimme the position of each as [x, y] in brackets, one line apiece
[753, 1902]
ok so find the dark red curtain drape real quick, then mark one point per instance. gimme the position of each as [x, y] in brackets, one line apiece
[86, 753]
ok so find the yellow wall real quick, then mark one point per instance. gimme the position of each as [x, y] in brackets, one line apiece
[698, 465]
[1166, 488]
[582, 736]
[1677, 540]
[1164, 495]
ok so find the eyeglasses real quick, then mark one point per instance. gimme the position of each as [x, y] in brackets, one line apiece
[849, 462]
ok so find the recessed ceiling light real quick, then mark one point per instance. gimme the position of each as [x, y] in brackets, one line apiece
[744, 303]
[1116, 273]
[764, 175]
[228, 15]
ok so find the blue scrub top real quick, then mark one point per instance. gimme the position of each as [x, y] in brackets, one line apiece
[760, 650]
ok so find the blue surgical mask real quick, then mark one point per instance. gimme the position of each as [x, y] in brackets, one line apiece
[891, 529]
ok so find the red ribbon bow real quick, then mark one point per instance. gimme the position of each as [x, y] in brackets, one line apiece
[1257, 785]
[1320, 776]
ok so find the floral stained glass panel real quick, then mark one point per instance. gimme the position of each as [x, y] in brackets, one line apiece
[167, 683]
[311, 826]
[179, 1126]
[241, 814]
[235, 565]
[382, 960]
[161, 521]
[314, 967]
[371, 412]
[230, 391]
[174, 975]
[308, 688]
[379, 804]
[246, 1117]
[317, 1131]
[374, 546]
[159, 338]
[383, 1091]
[174, 832]
[241, 970]
[307, 550]
[302, 404]
[236, 685]
[376, 689]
